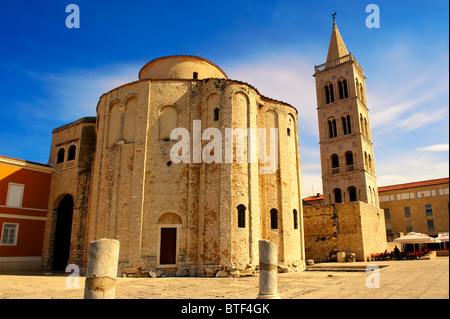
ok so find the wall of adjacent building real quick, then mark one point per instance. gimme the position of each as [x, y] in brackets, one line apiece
[27, 214]
[417, 198]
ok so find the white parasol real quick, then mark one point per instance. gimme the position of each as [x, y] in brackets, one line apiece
[416, 238]
[443, 237]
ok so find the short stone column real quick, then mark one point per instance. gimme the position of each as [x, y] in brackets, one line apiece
[268, 270]
[102, 269]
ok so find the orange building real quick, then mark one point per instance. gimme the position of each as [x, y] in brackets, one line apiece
[24, 193]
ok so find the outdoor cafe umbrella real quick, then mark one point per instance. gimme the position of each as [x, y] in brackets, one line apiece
[443, 237]
[416, 238]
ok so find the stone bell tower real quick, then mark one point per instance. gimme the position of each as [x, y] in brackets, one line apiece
[346, 149]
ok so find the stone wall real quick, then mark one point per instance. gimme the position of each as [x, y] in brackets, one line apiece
[71, 178]
[351, 227]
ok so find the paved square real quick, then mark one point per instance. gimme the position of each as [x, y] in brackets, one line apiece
[407, 279]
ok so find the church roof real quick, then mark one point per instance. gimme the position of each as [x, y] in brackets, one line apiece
[337, 47]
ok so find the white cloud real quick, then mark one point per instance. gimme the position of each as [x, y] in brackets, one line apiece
[284, 77]
[435, 148]
[406, 91]
[401, 166]
[420, 119]
[74, 93]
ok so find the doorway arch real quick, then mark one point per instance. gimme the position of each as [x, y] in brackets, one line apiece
[63, 230]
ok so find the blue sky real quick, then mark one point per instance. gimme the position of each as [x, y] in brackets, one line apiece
[52, 75]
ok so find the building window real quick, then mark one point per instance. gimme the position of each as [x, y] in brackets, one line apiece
[345, 88]
[349, 125]
[343, 92]
[366, 128]
[60, 157]
[430, 224]
[344, 125]
[195, 75]
[15, 195]
[387, 213]
[71, 153]
[352, 194]
[334, 164]
[241, 216]
[289, 132]
[273, 218]
[409, 227]
[216, 114]
[428, 210]
[337, 196]
[295, 215]
[329, 93]
[361, 92]
[407, 211]
[332, 128]
[9, 234]
[349, 161]
[388, 228]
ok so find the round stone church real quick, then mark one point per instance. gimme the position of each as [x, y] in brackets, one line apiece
[119, 175]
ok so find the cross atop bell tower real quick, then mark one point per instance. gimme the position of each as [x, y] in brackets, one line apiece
[346, 149]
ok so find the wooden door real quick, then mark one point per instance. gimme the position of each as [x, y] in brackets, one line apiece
[168, 247]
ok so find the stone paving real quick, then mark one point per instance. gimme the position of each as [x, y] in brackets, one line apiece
[407, 279]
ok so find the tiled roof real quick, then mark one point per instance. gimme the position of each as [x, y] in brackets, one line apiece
[414, 184]
[23, 161]
[315, 197]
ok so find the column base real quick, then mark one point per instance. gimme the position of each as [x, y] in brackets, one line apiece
[274, 296]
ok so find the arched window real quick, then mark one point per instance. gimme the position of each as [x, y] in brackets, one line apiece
[356, 87]
[332, 128]
[168, 121]
[334, 164]
[337, 195]
[344, 125]
[361, 92]
[370, 164]
[241, 216]
[352, 194]
[295, 216]
[216, 114]
[349, 161]
[60, 157]
[366, 128]
[345, 88]
[195, 75]
[343, 91]
[273, 218]
[329, 93]
[361, 123]
[71, 153]
[349, 125]
[366, 163]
